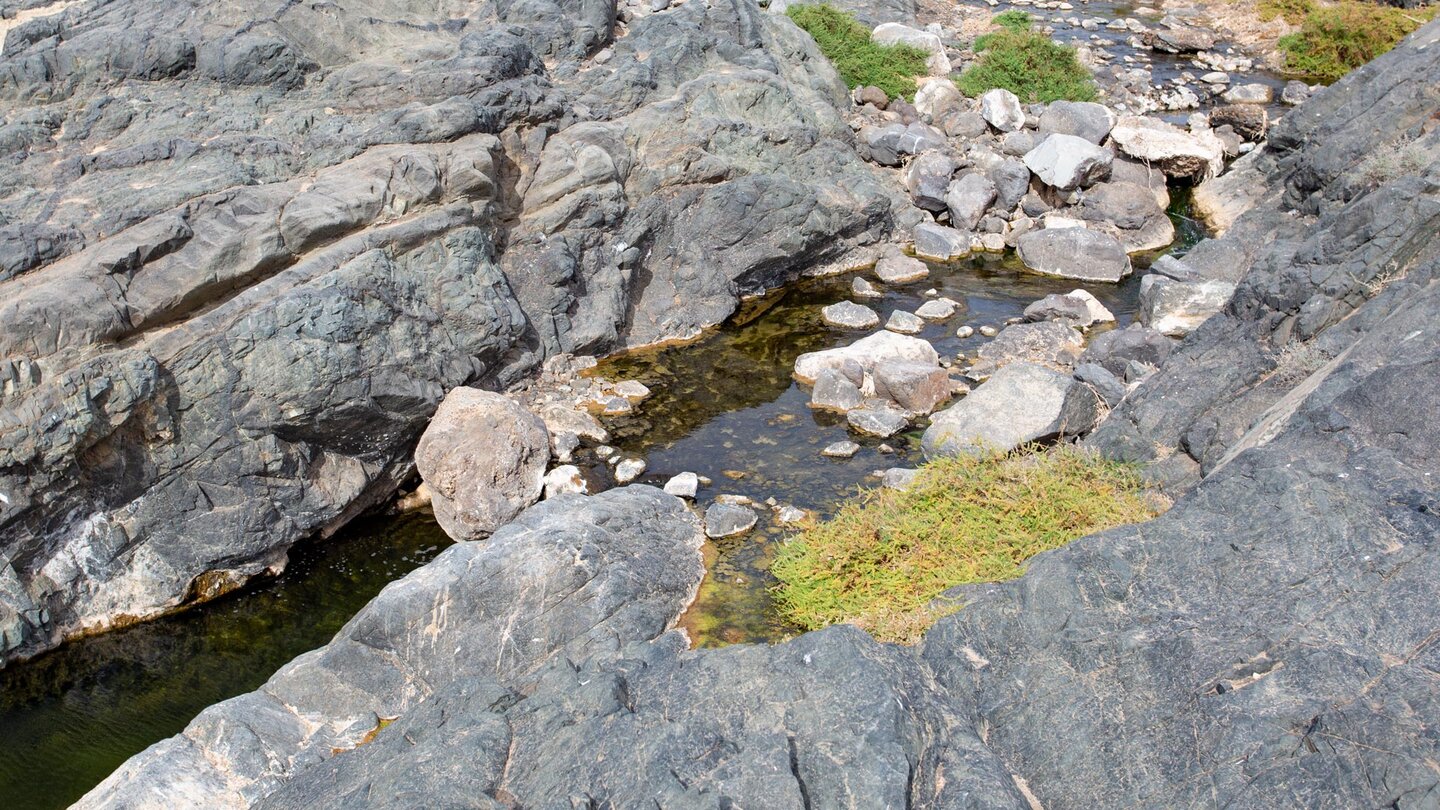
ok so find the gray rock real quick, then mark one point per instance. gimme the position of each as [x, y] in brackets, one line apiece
[1012, 180]
[939, 243]
[928, 177]
[915, 387]
[1082, 119]
[728, 520]
[968, 198]
[1076, 308]
[872, 95]
[1250, 121]
[1049, 343]
[1253, 93]
[965, 125]
[1114, 350]
[879, 421]
[683, 485]
[938, 98]
[1130, 213]
[937, 64]
[1178, 38]
[1020, 403]
[1177, 308]
[1107, 386]
[899, 478]
[1067, 162]
[845, 449]
[849, 315]
[1017, 143]
[629, 469]
[866, 353]
[897, 269]
[906, 323]
[483, 458]
[1295, 93]
[860, 288]
[1078, 253]
[1001, 109]
[833, 391]
[1176, 152]
[938, 309]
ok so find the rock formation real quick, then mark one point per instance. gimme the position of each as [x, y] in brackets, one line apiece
[246, 249]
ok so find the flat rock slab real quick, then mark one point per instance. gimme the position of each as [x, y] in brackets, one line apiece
[1078, 253]
[900, 269]
[878, 421]
[850, 315]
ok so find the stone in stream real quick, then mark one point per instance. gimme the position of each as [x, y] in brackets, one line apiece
[833, 391]
[1068, 162]
[564, 480]
[1001, 109]
[882, 421]
[865, 353]
[845, 449]
[483, 458]
[861, 288]
[628, 469]
[965, 331]
[1076, 308]
[1180, 39]
[1295, 92]
[900, 269]
[789, 515]
[906, 323]
[728, 520]
[1250, 121]
[1020, 403]
[915, 387]
[1129, 212]
[1078, 253]
[633, 390]
[968, 198]
[1253, 93]
[1049, 343]
[849, 315]
[583, 424]
[937, 310]
[899, 478]
[683, 485]
[940, 243]
[1176, 152]
[1083, 119]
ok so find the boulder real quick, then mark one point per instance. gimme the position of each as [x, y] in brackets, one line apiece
[937, 64]
[938, 97]
[900, 269]
[927, 178]
[850, 315]
[1001, 109]
[940, 243]
[1019, 404]
[866, 353]
[1177, 308]
[1048, 343]
[1012, 180]
[1180, 39]
[1130, 213]
[483, 458]
[834, 391]
[1082, 119]
[1067, 162]
[915, 387]
[1078, 253]
[1076, 308]
[1116, 349]
[968, 198]
[1176, 152]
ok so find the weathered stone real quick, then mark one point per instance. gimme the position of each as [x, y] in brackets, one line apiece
[1047, 343]
[565, 480]
[937, 63]
[1130, 213]
[1012, 180]
[906, 323]
[880, 347]
[938, 97]
[860, 288]
[939, 243]
[938, 309]
[1082, 119]
[833, 391]
[1115, 349]
[872, 95]
[1176, 152]
[1078, 253]
[1254, 93]
[1107, 386]
[1020, 403]
[483, 458]
[728, 520]
[915, 387]
[849, 315]
[878, 421]
[968, 198]
[899, 478]
[1001, 109]
[845, 449]
[1077, 308]
[629, 469]
[1180, 39]
[1250, 121]
[1295, 93]
[1067, 162]
[683, 485]
[900, 269]
[1177, 308]
[928, 178]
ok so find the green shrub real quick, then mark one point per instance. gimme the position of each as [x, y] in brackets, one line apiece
[1335, 39]
[885, 556]
[858, 60]
[1292, 11]
[1027, 63]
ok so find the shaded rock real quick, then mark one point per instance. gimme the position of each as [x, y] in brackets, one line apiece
[1250, 121]
[1001, 109]
[849, 315]
[483, 458]
[1130, 213]
[1116, 349]
[1067, 162]
[939, 243]
[1020, 403]
[880, 347]
[1107, 386]
[1012, 180]
[728, 520]
[878, 421]
[1078, 253]
[1295, 92]
[968, 198]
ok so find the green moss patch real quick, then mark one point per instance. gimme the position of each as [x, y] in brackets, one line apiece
[882, 561]
[859, 61]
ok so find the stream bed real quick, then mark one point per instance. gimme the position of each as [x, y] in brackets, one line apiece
[724, 406]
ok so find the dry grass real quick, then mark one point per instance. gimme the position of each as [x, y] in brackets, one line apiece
[882, 561]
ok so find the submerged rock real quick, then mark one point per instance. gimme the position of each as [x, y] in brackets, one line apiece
[483, 457]
[849, 315]
[728, 520]
[881, 421]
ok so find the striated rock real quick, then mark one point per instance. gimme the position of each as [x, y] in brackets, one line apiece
[1020, 403]
[1176, 152]
[1067, 162]
[483, 457]
[1078, 253]
[1250, 121]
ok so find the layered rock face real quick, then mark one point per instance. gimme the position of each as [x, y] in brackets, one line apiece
[245, 249]
[1269, 641]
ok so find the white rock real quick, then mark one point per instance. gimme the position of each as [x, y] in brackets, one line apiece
[564, 480]
[906, 323]
[879, 347]
[629, 469]
[937, 310]
[684, 485]
[938, 64]
[1001, 108]
[1068, 162]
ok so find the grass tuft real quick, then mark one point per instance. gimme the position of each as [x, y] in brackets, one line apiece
[1027, 63]
[1335, 39]
[858, 60]
[883, 560]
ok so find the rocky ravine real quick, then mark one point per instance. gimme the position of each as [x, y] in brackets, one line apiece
[1270, 641]
[246, 248]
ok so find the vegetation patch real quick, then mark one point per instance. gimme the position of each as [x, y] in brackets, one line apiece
[883, 560]
[1337, 38]
[858, 60]
[1292, 11]
[1027, 63]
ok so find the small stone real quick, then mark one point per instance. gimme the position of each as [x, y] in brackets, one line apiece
[906, 323]
[899, 478]
[964, 332]
[882, 421]
[989, 331]
[790, 515]
[937, 310]
[850, 315]
[684, 485]
[605, 451]
[900, 269]
[633, 390]
[629, 469]
[860, 288]
[564, 480]
[728, 520]
[845, 449]
[1001, 109]
[735, 500]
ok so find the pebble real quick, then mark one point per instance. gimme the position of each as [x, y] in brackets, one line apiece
[964, 331]
[989, 331]
[684, 485]
[845, 449]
